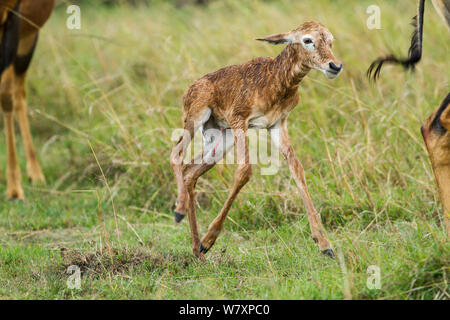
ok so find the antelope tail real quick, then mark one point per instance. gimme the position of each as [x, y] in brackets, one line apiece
[414, 53]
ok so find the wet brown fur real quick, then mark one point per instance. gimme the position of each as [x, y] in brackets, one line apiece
[259, 93]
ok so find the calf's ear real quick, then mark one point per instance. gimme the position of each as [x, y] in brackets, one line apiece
[278, 38]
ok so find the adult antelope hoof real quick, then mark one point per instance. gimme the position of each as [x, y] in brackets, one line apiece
[35, 176]
[178, 216]
[15, 195]
[37, 180]
[329, 252]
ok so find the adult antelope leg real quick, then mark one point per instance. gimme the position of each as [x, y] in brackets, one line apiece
[280, 136]
[241, 177]
[13, 175]
[21, 64]
[8, 49]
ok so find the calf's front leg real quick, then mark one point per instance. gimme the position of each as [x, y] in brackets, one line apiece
[279, 134]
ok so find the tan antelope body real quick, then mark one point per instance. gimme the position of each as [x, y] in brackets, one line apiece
[436, 129]
[20, 21]
[260, 94]
[436, 134]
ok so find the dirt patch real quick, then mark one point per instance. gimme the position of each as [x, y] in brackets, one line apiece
[112, 261]
[119, 261]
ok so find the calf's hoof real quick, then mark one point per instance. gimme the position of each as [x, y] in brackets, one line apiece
[329, 252]
[178, 216]
[203, 249]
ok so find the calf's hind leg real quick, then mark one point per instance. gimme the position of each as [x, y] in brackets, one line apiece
[241, 177]
[216, 143]
[213, 152]
[192, 124]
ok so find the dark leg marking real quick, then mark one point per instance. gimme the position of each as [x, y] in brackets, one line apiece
[22, 63]
[436, 125]
[10, 40]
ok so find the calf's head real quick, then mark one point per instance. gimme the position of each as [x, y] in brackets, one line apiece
[313, 43]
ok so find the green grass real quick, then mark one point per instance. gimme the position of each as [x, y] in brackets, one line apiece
[116, 85]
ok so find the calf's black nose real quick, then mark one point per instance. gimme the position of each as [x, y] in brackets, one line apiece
[335, 67]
